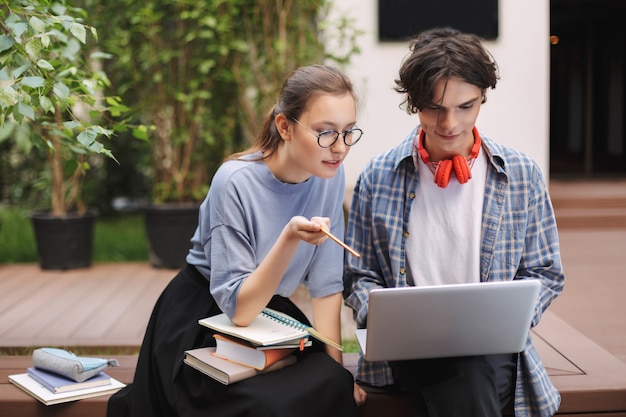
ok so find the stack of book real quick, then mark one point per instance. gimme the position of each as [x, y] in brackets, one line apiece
[51, 388]
[264, 345]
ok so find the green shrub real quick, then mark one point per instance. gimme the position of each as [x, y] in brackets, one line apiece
[120, 238]
[17, 240]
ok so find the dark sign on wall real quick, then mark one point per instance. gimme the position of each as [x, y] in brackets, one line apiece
[399, 20]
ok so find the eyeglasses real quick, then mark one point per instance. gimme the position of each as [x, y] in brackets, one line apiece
[327, 138]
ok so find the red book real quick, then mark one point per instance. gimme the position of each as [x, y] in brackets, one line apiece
[243, 354]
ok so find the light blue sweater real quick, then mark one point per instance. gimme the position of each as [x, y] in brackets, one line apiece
[242, 216]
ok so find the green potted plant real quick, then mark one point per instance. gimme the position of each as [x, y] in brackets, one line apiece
[200, 75]
[173, 68]
[51, 100]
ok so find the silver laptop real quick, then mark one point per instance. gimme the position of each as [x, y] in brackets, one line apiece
[448, 320]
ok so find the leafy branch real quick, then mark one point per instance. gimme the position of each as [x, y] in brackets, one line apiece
[52, 89]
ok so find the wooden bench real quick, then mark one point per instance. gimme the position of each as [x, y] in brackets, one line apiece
[592, 382]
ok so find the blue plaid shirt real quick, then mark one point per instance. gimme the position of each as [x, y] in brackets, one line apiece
[519, 241]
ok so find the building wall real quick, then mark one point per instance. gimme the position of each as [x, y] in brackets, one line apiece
[516, 112]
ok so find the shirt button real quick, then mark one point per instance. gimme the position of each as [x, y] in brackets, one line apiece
[402, 271]
[406, 234]
[411, 196]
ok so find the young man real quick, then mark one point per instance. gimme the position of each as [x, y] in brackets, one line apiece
[449, 205]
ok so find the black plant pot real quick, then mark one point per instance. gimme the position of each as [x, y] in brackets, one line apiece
[64, 242]
[169, 228]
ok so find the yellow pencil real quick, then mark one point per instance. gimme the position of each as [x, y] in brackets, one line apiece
[343, 245]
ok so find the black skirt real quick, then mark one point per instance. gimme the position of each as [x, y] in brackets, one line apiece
[163, 385]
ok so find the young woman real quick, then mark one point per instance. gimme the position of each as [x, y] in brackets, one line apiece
[257, 240]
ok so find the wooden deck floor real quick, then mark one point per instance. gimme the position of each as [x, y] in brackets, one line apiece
[105, 305]
[109, 304]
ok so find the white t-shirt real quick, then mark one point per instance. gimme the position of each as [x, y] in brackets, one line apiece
[443, 246]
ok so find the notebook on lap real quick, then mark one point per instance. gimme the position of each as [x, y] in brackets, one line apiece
[448, 320]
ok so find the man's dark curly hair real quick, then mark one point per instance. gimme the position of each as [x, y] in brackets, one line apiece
[443, 53]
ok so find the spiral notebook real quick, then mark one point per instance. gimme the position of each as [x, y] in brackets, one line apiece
[270, 327]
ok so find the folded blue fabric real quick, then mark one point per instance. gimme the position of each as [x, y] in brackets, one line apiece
[66, 363]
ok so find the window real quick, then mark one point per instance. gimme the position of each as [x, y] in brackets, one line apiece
[399, 20]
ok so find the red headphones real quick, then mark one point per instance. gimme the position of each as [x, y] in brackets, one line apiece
[442, 170]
